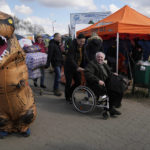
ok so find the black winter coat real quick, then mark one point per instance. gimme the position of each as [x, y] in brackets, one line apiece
[54, 54]
[73, 57]
[94, 73]
[94, 46]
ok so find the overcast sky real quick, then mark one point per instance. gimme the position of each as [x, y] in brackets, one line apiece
[57, 12]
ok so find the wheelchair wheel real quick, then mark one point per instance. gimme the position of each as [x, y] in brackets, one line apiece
[83, 99]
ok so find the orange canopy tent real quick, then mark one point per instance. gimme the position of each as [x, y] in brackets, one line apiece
[125, 20]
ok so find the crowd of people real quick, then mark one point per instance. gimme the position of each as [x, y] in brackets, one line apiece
[88, 56]
[82, 55]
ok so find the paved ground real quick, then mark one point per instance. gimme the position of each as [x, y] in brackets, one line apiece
[59, 127]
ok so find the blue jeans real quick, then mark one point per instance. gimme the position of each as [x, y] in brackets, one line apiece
[57, 71]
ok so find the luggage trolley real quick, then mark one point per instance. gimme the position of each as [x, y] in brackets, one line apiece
[85, 101]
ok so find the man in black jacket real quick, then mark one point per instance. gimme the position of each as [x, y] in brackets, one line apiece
[97, 75]
[76, 60]
[56, 59]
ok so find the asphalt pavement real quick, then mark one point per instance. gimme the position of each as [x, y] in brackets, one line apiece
[59, 126]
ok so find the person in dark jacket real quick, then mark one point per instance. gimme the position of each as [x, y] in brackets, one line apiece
[136, 54]
[97, 75]
[76, 60]
[94, 45]
[56, 59]
[111, 55]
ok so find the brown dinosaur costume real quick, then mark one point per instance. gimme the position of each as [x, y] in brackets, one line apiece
[17, 107]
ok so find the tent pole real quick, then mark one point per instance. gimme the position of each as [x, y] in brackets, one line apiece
[117, 52]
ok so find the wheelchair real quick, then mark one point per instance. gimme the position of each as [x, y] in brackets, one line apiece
[85, 101]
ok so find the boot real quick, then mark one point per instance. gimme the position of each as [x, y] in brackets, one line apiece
[57, 92]
[113, 112]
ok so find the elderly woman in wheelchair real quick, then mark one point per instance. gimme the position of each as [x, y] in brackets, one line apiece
[98, 90]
